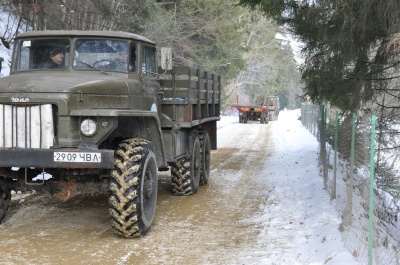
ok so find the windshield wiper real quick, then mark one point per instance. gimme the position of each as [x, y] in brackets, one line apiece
[92, 67]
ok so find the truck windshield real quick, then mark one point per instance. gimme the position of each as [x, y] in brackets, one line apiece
[41, 54]
[105, 55]
[88, 54]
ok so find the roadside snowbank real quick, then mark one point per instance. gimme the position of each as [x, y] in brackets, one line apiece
[301, 225]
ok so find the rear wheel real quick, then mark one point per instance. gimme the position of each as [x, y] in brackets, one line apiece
[5, 197]
[185, 173]
[133, 188]
[205, 148]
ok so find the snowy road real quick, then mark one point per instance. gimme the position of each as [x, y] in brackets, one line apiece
[264, 204]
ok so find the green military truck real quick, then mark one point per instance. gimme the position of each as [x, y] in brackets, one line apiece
[84, 112]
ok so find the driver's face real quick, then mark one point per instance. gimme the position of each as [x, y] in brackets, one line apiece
[123, 56]
[58, 57]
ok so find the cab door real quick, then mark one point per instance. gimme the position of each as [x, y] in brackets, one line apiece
[151, 85]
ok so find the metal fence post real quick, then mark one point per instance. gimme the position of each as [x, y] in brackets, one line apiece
[335, 155]
[371, 191]
[351, 182]
[322, 133]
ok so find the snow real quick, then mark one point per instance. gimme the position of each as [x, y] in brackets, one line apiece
[301, 225]
[4, 52]
[6, 55]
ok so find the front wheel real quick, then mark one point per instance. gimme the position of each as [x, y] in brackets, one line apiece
[133, 188]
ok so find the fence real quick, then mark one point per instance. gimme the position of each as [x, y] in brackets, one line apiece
[358, 160]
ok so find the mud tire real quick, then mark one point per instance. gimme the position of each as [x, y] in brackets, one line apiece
[185, 173]
[133, 188]
[205, 148]
[5, 198]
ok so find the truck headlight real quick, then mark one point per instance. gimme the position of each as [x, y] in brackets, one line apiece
[88, 127]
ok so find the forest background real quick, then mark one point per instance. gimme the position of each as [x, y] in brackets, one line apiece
[350, 48]
[213, 35]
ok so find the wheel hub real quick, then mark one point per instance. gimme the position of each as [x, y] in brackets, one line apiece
[148, 187]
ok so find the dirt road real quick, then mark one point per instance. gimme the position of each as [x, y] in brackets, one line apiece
[215, 226]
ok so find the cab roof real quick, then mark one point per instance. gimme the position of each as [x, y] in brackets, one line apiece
[83, 33]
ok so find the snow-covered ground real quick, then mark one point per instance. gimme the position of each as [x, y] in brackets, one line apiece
[301, 225]
[265, 205]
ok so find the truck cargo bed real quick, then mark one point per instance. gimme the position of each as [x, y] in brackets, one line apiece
[190, 97]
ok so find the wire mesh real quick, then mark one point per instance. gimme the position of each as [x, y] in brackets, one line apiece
[348, 182]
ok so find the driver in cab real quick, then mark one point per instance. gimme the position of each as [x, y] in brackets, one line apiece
[123, 62]
[56, 58]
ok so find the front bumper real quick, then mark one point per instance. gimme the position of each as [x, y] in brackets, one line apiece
[45, 158]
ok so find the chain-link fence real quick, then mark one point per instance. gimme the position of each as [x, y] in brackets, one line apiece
[358, 160]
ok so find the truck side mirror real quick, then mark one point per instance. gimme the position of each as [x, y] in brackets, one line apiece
[1, 63]
[166, 58]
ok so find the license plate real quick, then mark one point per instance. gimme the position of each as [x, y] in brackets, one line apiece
[77, 157]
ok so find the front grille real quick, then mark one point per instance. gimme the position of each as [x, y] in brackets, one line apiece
[26, 126]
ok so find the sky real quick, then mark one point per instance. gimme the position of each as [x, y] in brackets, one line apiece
[301, 224]
[294, 44]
